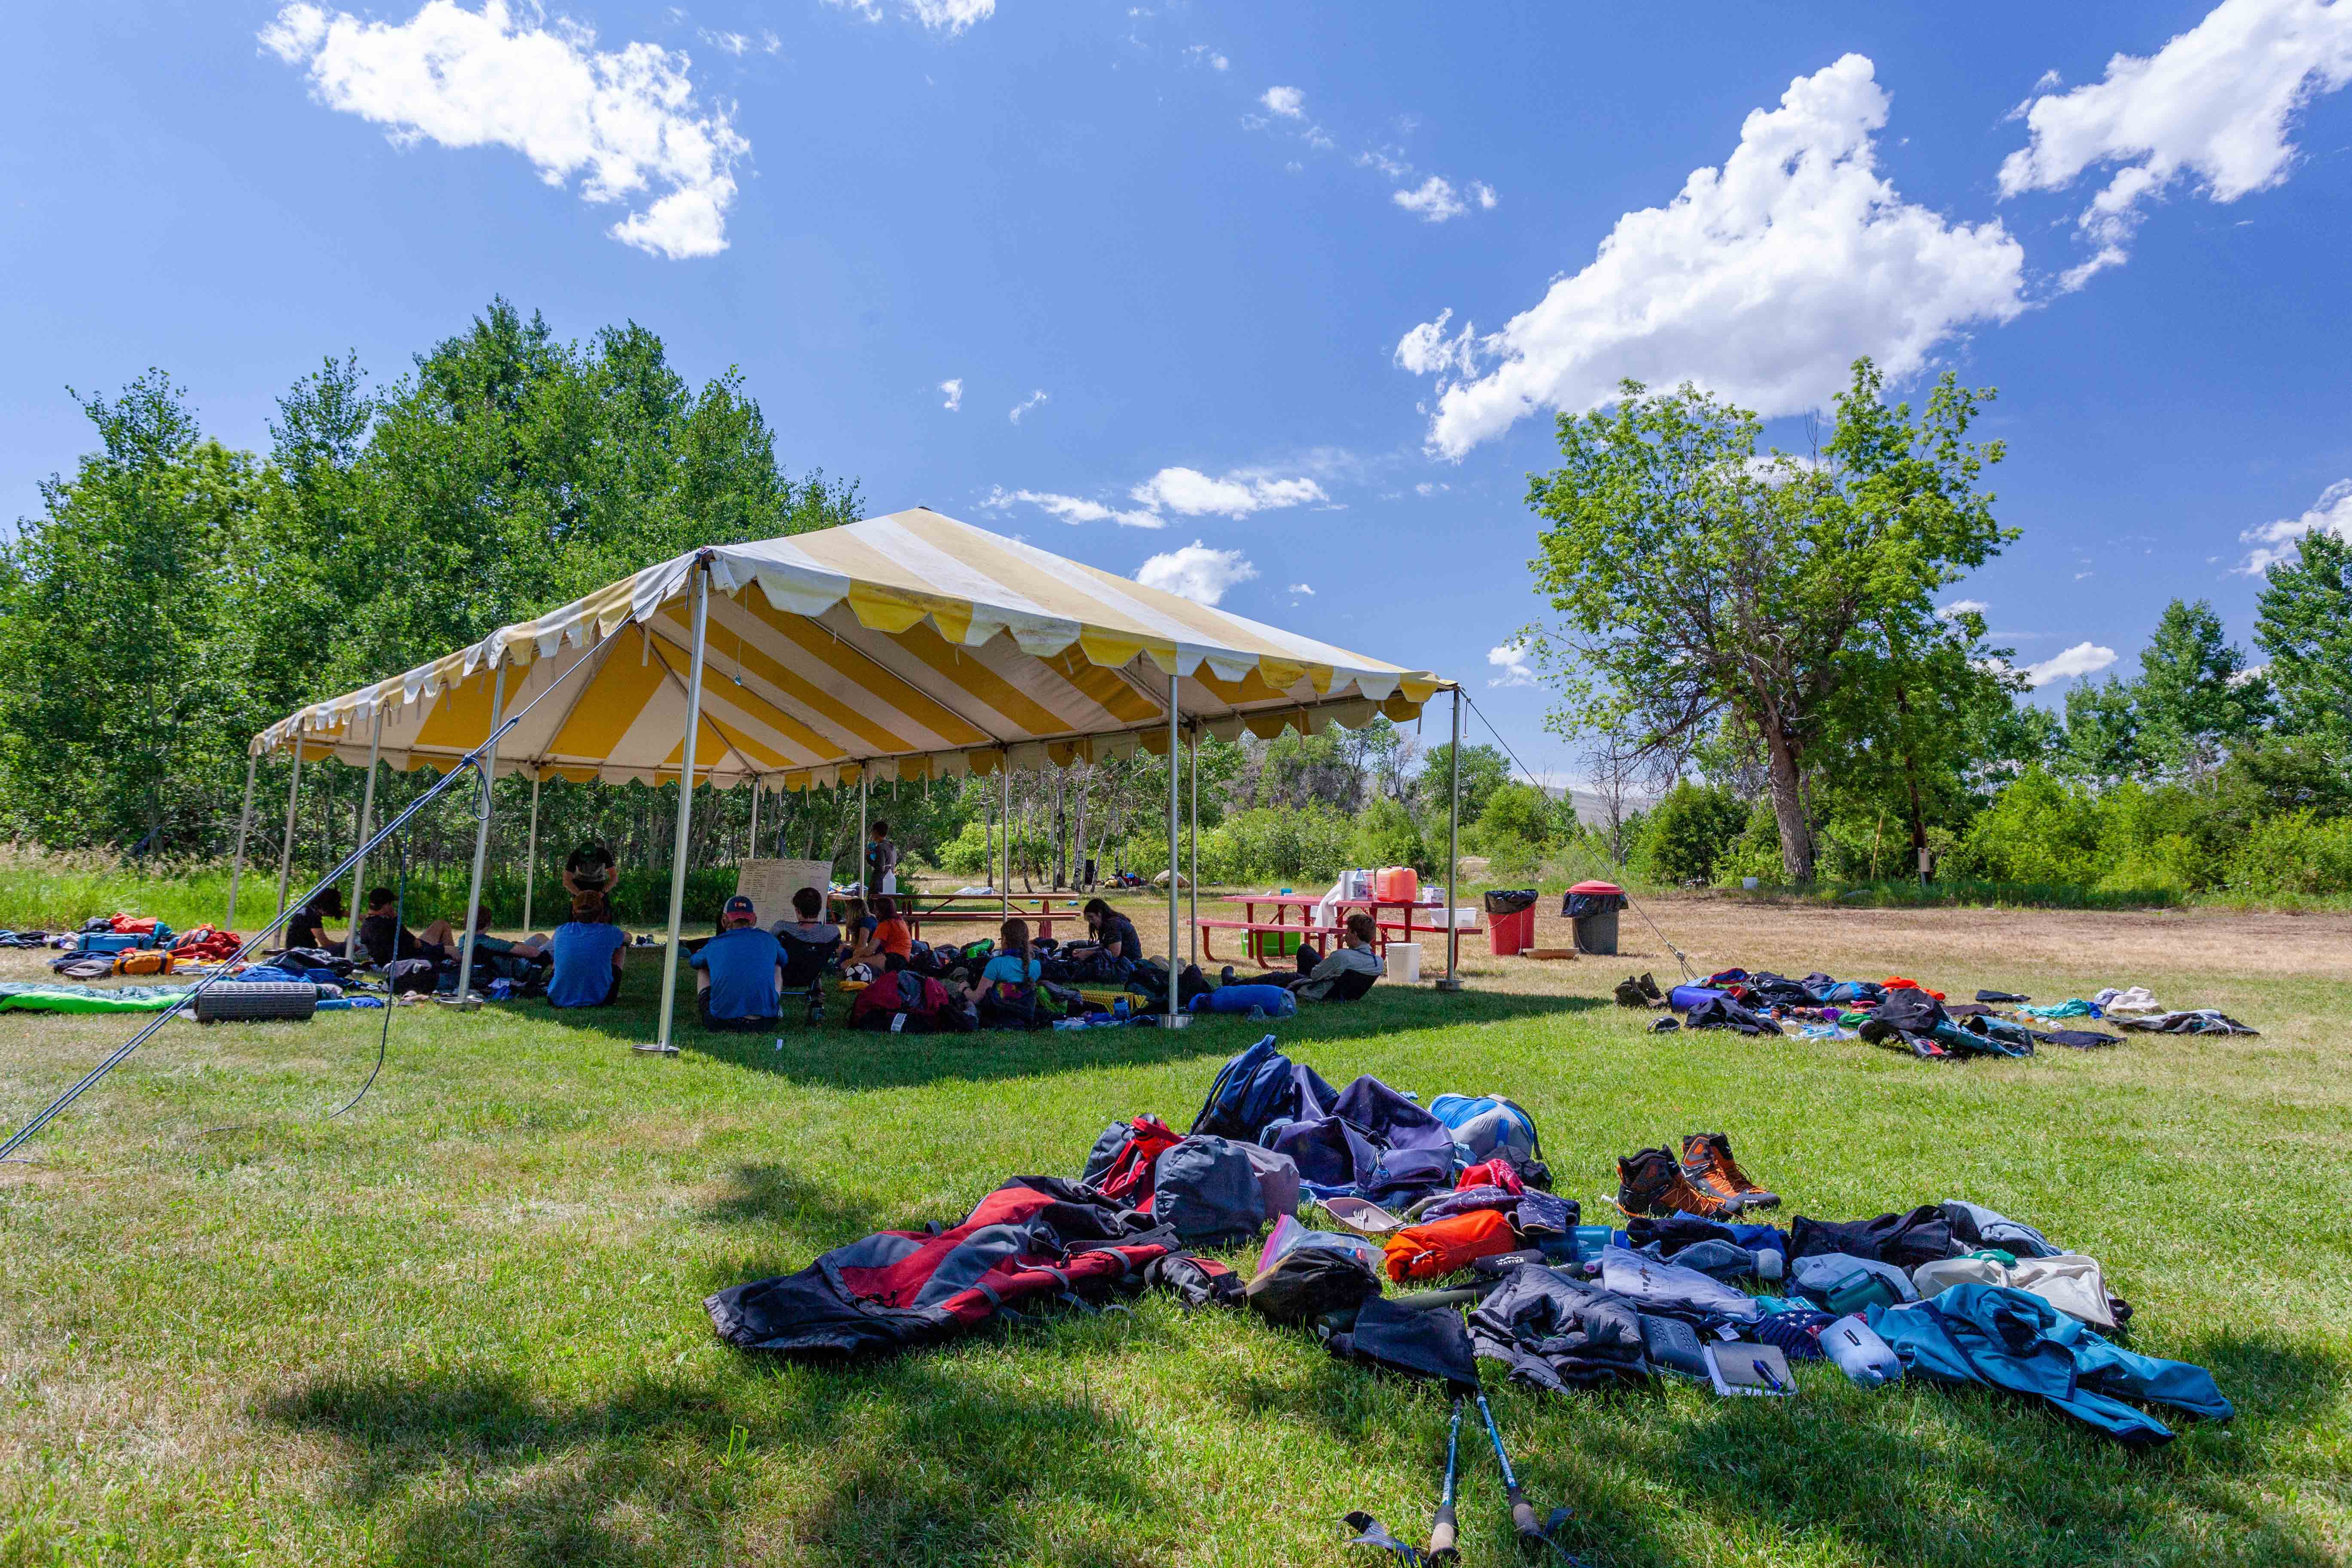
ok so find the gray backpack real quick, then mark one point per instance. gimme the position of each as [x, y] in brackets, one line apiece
[1216, 1192]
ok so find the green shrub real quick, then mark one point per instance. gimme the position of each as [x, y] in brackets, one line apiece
[2294, 854]
[1755, 852]
[1688, 833]
[2036, 831]
[1386, 835]
[967, 854]
[1516, 813]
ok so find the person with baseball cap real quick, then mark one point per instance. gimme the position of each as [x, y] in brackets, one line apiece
[739, 973]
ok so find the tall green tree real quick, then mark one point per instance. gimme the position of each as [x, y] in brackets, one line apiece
[117, 718]
[1696, 577]
[2101, 743]
[2195, 697]
[2303, 623]
[1484, 770]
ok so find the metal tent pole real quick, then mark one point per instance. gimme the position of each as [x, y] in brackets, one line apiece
[359, 867]
[490, 766]
[1174, 741]
[244, 821]
[1452, 982]
[285, 849]
[861, 861]
[531, 854]
[684, 805]
[753, 838]
[1193, 897]
[1004, 831]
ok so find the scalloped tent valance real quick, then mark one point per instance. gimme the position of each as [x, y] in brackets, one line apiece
[911, 646]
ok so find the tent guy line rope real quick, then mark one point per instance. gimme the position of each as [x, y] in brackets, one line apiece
[469, 763]
[1680, 957]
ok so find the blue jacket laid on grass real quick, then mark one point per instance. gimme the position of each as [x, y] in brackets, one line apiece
[1992, 1335]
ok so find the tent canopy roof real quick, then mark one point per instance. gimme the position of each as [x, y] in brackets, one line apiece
[912, 644]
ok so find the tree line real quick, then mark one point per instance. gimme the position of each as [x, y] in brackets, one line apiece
[1750, 640]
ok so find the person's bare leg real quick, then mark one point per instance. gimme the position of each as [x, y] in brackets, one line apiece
[437, 934]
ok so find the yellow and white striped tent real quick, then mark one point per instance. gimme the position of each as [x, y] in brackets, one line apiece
[911, 646]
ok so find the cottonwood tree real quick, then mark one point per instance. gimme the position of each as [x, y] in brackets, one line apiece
[2305, 625]
[1699, 578]
[2196, 697]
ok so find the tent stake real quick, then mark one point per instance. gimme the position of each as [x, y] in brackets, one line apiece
[685, 807]
[244, 821]
[481, 836]
[359, 867]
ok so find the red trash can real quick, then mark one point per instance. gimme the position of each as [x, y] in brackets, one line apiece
[1510, 922]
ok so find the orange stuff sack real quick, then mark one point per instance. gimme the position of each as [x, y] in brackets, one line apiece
[1442, 1246]
[142, 961]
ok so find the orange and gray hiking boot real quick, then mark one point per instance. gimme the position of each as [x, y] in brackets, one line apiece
[1708, 1163]
[1651, 1182]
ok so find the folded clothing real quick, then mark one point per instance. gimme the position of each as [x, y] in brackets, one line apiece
[1554, 1332]
[1907, 1240]
[2070, 1281]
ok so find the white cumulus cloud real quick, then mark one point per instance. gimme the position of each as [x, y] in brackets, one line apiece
[2216, 104]
[950, 16]
[624, 120]
[1071, 509]
[1303, 590]
[2274, 542]
[2083, 659]
[1484, 195]
[1512, 659]
[953, 389]
[1193, 493]
[1959, 607]
[1196, 572]
[1201, 54]
[1026, 404]
[1433, 200]
[1287, 101]
[1762, 281]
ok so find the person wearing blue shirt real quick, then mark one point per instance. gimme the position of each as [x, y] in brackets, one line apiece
[588, 950]
[1005, 993]
[738, 975]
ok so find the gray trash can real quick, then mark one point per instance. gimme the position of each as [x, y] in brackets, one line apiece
[1592, 908]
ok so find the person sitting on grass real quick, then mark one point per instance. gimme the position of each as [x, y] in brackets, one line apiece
[1111, 947]
[385, 940]
[506, 960]
[891, 940]
[589, 951]
[1005, 995]
[1334, 977]
[306, 927]
[739, 973]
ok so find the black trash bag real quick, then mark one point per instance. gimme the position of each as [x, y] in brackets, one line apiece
[1510, 901]
[1432, 1346]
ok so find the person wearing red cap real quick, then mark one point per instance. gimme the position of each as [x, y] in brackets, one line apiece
[739, 973]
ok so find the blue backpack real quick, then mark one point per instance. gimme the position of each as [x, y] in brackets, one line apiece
[1484, 1124]
[1259, 1086]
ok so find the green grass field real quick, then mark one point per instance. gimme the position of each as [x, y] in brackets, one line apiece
[464, 1322]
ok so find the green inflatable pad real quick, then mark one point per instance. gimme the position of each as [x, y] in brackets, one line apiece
[16, 997]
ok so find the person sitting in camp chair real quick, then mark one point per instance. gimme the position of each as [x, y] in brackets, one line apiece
[1344, 975]
[812, 945]
[737, 973]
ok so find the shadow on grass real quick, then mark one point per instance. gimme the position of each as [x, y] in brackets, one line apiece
[833, 1055]
[912, 1461]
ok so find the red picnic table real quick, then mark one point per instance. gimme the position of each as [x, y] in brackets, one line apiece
[1037, 909]
[1304, 927]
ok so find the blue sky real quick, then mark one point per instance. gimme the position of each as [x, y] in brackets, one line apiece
[1206, 254]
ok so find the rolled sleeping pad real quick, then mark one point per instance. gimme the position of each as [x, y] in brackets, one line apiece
[1277, 1002]
[233, 1001]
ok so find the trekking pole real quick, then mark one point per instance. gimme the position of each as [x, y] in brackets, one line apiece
[1442, 1532]
[1523, 1513]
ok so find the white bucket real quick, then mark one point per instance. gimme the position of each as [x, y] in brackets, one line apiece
[1404, 961]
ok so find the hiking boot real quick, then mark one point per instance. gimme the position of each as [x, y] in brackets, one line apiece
[1708, 1162]
[1630, 993]
[1651, 1182]
[1649, 984]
